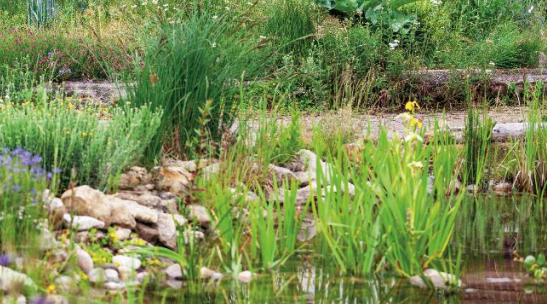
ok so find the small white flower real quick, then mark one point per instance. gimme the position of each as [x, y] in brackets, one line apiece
[413, 137]
[134, 6]
[530, 9]
[166, 5]
[393, 45]
[215, 17]
[214, 45]
[436, 2]
[492, 63]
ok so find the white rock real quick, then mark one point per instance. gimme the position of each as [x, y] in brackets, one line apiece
[174, 272]
[112, 275]
[167, 230]
[123, 234]
[125, 273]
[114, 286]
[84, 260]
[245, 277]
[87, 201]
[206, 273]
[439, 280]
[126, 261]
[82, 223]
[97, 275]
[64, 283]
[138, 212]
[10, 278]
[199, 215]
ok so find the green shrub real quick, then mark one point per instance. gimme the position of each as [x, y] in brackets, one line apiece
[88, 149]
[188, 63]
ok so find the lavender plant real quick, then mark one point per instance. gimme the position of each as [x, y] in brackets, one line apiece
[22, 182]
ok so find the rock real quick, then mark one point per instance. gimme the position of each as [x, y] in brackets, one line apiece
[473, 189]
[245, 277]
[167, 230]
[199, 215]
[130, 209]
[58, 256]
[169, 206]
[310, 161]
[47, 240]
[148, 233]
[83, 223]
[126, 261]
[65, 283]
[133, 178]
[206, 273]
[193, 236]
[122, 234]
[97, 276]
[114, 286]
[11, 280]
[503, 188]
[439, 280]
[112, 275]
[84, 260]
[174, 272]
[189, 166]
[303, 178]
[173, 179]
[217, 276]
[180, 220]
[145, 199]
[281, 175]
[125, 273]
[174, 284]
[87, 201]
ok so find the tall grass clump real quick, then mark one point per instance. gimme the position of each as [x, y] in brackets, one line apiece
[291, 25]
[89, 145]
[187, 64]
[532, 153]
[478, 138]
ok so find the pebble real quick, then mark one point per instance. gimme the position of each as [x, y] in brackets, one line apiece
[245, 277]
[126, 261]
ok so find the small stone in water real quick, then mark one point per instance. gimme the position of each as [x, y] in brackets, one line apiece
[206, 273]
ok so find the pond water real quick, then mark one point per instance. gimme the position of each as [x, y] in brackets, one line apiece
[493, 232]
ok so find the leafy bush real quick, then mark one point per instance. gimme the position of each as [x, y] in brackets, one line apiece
[89, 147]
[22, 181]
[199, 59]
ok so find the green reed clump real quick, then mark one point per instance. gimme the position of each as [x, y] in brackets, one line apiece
[88, 144]
[532, 154]
[478, 138]
[186, 64]
[16, 82]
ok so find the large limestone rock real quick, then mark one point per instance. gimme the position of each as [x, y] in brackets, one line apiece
[124, 210]
[87, 201]
[173, 179]
[281, 175]
[167, 230]
[199, 215]
[134, 177]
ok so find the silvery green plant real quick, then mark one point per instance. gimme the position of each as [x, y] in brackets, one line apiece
[41, 12]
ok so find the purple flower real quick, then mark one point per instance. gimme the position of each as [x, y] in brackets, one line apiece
[65, 71]
[4, 260]
[39, 300]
